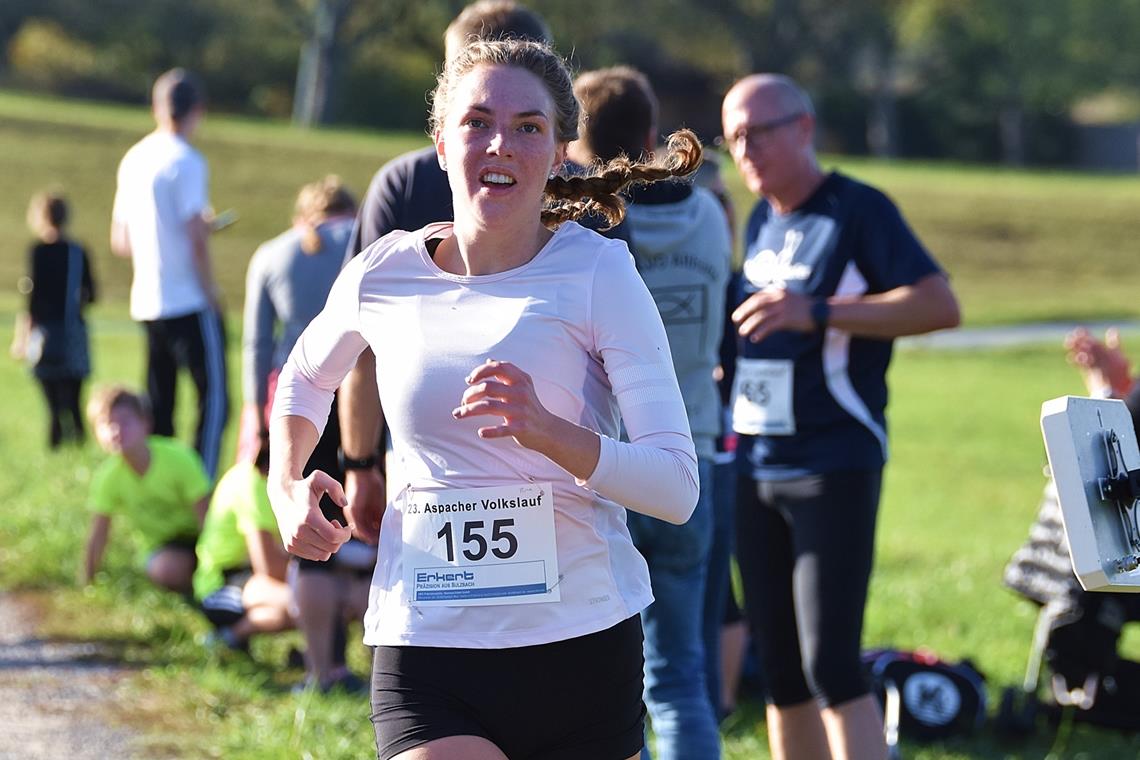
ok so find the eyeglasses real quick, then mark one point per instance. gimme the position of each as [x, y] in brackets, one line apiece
[754, 135]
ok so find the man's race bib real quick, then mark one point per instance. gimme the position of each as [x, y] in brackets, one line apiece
[762, 397]
[480, 546]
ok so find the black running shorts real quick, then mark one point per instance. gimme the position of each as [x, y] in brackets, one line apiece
[567, 700]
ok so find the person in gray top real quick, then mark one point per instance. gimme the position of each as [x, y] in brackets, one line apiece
[680, 240]
[288, 281]
[287, 284]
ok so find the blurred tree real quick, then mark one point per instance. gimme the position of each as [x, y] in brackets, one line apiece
[13, 13]
[844, 54]
[332, 31]
[974, 79]
[988, 63]
[321, 53]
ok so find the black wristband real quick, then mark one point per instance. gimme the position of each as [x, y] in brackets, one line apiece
[820, 313]
[348, 463]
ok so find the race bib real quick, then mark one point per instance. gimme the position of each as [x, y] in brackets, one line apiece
[480, 546]
[762, 397]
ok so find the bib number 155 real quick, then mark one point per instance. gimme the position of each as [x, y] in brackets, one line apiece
[502, 542]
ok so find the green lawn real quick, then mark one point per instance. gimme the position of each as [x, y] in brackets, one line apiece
[960, 492]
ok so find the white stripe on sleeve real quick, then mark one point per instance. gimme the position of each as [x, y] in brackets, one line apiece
[655, 473]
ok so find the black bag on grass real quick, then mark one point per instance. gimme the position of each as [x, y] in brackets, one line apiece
[924, 697]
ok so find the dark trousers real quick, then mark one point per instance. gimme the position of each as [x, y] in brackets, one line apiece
[197, 343]
[62, 397]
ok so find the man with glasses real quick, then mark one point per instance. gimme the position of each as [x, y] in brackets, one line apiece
[831, 275]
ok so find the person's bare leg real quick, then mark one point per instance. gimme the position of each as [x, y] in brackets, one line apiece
[318, 601]
[453, 748]
[351, 606]
[855, 730]
[172, 568]
[266, 602]
[355, 602]
[733, 645]
[796, 732]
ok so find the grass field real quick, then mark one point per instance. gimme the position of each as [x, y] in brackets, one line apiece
[960, 492]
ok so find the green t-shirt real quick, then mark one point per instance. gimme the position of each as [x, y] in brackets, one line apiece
[159, 505]
[239, 507]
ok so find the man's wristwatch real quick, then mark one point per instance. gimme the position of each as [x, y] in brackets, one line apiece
[820, 313]
[348, 463]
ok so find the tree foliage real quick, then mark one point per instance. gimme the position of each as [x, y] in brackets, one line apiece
[975, 79]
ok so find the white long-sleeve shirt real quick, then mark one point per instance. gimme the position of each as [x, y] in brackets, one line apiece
[578, 319]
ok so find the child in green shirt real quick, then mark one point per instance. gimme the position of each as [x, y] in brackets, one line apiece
[240, 581]
[156, 484]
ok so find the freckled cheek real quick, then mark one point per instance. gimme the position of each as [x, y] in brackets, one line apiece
[540, 160]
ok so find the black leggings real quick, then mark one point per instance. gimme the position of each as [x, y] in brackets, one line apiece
[805, 549]
[63, 405]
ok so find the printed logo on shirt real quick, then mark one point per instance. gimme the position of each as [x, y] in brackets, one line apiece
[771, 269]
[682, 304]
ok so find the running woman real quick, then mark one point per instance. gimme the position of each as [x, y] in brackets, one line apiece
[504, 607]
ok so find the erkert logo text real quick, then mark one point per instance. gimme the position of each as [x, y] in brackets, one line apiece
[438, 577]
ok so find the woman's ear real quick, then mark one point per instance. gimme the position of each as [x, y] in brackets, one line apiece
[437, 138]
[559, 158]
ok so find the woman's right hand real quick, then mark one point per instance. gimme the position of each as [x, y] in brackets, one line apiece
[304, 530]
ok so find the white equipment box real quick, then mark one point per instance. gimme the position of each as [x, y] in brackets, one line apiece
[1095, 461]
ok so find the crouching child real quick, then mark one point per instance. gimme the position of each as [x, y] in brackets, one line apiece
[156, 485]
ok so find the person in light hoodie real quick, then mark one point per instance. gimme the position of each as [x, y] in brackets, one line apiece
[681, 243]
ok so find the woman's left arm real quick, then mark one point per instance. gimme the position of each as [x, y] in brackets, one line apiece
[655, 472]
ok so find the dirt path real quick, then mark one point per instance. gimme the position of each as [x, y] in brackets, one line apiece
[55, 698]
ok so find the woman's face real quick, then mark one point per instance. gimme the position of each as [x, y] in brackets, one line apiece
[499, 145]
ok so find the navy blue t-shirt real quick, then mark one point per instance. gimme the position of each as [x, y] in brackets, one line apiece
[407, 193]
[847, 239]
